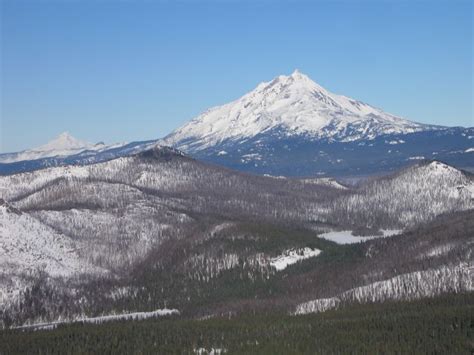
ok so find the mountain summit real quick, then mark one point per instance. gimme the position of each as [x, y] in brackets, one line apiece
[293, 126]
[62, 145]
[63, 141]
[290, 105]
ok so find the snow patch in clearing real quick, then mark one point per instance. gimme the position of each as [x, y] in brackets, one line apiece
[292, 256]
[346, 237]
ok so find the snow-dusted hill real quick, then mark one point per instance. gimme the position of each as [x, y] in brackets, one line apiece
[413, 195]
[163, 225]
[295, 105]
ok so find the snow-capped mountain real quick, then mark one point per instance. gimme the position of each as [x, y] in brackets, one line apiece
[294, 127]
[62, 145]
[290, 126]
[293, 105]
[67, 150]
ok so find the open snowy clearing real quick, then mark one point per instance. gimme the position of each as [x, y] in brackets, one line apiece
[292, 256]
[346, 237]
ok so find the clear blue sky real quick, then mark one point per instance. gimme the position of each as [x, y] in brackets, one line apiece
[134, 70]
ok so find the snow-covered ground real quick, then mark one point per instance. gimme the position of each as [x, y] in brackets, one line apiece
[292, 256]
[103, 319]
[346, 237]
[27, 244]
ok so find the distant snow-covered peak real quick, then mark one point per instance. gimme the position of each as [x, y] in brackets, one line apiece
[292, 105]
[62, 145]
[64, 141]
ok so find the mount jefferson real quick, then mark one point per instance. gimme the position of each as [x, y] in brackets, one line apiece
[292, 126]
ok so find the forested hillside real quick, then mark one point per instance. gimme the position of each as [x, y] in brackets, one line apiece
[160, 230]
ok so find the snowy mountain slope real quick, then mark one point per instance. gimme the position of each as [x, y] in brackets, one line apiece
[27, 244]
[295, 105]
[29, 247]
[292, 126]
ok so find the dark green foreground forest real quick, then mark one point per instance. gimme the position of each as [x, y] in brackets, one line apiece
[444, 325]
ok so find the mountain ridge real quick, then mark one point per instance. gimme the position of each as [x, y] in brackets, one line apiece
[159, 228]
[290, 126]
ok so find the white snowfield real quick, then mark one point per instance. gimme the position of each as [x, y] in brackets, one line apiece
[292, 256]
[411, 286]
[103, 319]
[295, 104]
[346, 237]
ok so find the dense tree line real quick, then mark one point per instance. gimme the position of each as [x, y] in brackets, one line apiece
[442, 325]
